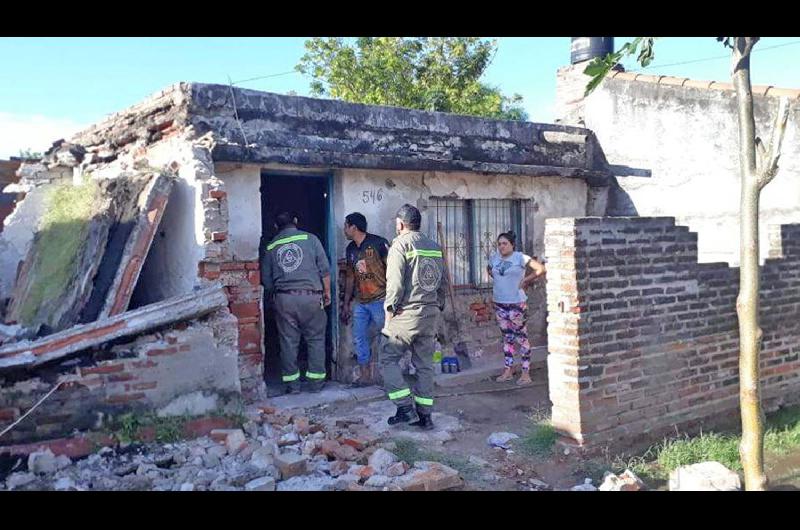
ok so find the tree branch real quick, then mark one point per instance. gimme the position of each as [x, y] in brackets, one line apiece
[770, 167]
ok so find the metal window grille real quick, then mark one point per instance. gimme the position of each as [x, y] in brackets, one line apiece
[470, 231]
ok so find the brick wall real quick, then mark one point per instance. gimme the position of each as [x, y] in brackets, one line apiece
[242, 281]
[643, 340]
[145, 373]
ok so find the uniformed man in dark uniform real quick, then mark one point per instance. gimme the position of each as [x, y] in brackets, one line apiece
[295, 270]
[415, 297]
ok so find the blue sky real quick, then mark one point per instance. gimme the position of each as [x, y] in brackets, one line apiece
[50, 87]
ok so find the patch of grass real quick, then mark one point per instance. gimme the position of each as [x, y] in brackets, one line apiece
[409, 451]
[721, 448]
[540, 440]
[782, 435]
[64, 225]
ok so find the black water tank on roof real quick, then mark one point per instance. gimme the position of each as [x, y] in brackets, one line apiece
[586, 48]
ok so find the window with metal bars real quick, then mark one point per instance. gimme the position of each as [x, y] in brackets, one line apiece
[469, 233]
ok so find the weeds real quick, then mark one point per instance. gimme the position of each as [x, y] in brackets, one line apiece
[409, 451]
[540, 440]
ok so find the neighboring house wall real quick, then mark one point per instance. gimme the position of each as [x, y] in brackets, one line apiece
[643, 339]
[686, 133]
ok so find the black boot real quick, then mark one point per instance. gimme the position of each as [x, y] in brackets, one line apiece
[293, 387]
[403, 415]
[316, 386]
[424, 422]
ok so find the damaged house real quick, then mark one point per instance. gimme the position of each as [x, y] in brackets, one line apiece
[132, 230]
[130, 272]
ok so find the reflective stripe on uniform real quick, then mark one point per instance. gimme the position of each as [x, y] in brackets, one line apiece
[397, 394]
[424, 401]
[294, 377]
[424, 253]
[315, 375]
[301, 237]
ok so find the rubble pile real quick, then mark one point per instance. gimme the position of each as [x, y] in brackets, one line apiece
[274, 450]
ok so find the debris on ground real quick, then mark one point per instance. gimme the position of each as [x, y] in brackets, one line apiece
[705, 476]
[626, 481]
[586, 486]
[501, 439]
[275, 450]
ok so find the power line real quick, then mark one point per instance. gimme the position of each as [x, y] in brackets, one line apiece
[713, 58]
[265, 77]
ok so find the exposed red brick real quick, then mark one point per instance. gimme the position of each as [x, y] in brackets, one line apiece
[103, 369]
[9, 414]
[254, 277]
[252, 265]
[116, 399]
[232, 266]
[144, 364]
[245, 310]
[117, 378]
[219, 236]
[203, 426]
[77, 447]
[162, 351]
[217, 194]
[184, 347]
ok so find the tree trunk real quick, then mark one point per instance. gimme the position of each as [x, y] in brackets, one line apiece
[751, 450]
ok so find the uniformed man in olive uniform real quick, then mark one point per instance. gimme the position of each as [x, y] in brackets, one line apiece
[415, 297]
[295, 270]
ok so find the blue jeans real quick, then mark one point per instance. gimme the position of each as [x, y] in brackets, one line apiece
[363, 316]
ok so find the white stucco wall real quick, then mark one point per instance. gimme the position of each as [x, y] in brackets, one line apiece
[688, 138]
[171, 265]
[244, 210]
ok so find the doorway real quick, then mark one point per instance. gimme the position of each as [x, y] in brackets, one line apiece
[307, 197]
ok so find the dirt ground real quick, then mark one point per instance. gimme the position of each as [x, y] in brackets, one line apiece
[485, 407]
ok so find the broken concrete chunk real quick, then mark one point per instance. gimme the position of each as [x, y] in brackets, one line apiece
[19, 480]
[291, 465]
[430, 476]
[43, 462]
[233, 439]
[627, 481]
[261, 484]
[397, 469]
[381, 459]
[501, 439]
[705, 476]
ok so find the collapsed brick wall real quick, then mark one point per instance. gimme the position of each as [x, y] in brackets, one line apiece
[643, 340]
[242, 281]
[146, 373]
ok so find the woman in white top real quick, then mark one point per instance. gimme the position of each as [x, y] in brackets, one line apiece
[512, 272]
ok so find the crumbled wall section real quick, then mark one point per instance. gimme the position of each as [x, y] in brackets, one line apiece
[242, 281]
[146, 373]
[643, 340]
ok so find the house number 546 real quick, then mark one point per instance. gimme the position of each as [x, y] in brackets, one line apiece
[372, 196]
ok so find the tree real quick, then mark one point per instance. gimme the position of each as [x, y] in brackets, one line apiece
[428, 73]
[758, 165]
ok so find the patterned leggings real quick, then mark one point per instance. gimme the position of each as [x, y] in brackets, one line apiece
[511, 318]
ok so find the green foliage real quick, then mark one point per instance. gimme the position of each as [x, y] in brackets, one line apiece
[540, 440]
[27, 154]
[428, 73]
[61, 233]
[599, 67]
[410, 452]
[782, 436]
[718, 447]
